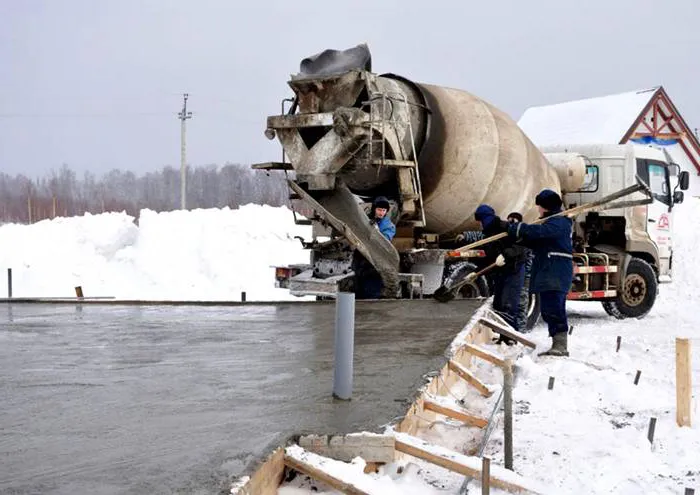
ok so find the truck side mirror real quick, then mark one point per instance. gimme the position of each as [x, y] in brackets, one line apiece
[684, 180]
[678, 196]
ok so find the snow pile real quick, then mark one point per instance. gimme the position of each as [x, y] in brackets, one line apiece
[212, 254]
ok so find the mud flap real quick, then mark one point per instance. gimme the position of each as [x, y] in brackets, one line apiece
[341, 210]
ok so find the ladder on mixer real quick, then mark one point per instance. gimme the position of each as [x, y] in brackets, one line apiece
[381, 124]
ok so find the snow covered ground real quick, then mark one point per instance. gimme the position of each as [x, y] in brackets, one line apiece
[587, 435]
[212, 254]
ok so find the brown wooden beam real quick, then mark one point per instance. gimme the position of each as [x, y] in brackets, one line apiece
[469, 377]
[511, 334]
[484, 354]
[451, 412]
[462, 464]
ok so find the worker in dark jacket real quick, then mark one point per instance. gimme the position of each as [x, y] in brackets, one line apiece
[508, 278]
[368, 282]
[552, 268]
[516, 217]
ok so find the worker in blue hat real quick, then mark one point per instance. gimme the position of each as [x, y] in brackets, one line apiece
[368, 281]
[508, 277]
[552, 267]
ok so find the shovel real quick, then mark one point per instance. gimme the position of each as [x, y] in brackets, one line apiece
[443, 294]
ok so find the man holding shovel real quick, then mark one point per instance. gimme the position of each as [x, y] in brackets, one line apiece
[552, 268]
[509, 275]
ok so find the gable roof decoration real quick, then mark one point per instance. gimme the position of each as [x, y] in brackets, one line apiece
[653, 116]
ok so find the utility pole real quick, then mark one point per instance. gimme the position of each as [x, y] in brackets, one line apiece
[183, 116]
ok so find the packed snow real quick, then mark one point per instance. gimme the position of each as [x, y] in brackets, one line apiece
[212, 254]
[586, 435]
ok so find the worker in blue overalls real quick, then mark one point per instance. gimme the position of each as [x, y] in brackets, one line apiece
[552, 268]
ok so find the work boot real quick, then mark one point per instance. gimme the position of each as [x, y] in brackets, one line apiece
[559, 340]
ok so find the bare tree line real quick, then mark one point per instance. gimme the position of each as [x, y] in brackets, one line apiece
[63, 193]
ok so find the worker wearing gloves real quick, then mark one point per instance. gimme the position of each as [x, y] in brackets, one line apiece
[368, 282]
[508, 278]
[552, 267]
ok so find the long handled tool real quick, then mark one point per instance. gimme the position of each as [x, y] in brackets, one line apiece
[445, 294]
[601, 204]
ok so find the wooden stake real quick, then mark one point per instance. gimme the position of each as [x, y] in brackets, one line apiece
[619, 341]
[79, 291]
[486, 476]
[636, 378]
[469, 377]
[550, 385]
[683, 382]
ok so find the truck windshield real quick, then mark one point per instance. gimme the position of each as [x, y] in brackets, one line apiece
[658, 181]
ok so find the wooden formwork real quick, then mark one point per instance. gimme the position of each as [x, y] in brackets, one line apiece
[324, 458]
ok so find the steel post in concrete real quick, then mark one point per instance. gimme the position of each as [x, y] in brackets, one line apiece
[9, 283]
[344, 345]
[508, 413]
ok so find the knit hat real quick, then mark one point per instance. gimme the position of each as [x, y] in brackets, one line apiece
[515, 215]
[381, 202]
[483, 212]
[549, 200]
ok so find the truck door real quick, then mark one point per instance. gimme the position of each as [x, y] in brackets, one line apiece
[658, 215]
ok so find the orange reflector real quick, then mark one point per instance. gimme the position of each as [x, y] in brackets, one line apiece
[471, 253]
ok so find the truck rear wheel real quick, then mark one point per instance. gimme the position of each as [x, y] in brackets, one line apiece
[637, 292]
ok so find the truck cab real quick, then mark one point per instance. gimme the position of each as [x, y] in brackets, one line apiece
[636, 240]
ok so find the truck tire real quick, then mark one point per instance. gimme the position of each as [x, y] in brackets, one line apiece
[456, 272]
[637, 292]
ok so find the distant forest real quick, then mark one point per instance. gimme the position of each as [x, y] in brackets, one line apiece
[64, 193]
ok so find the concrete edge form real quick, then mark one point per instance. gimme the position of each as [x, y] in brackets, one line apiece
[266, 476]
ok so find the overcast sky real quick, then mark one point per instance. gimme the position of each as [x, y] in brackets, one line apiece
[97, 84]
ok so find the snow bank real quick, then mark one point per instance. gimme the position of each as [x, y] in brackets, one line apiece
[211, 254]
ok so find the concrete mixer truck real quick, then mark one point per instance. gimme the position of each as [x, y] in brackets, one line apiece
[349, 135]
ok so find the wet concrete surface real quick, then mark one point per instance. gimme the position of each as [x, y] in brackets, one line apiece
[107, 399]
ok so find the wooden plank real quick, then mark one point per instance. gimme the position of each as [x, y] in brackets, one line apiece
[266, 479]
[451, 412]
[329, 471]
[371, 447]
[683, 382]
[485, 354]
[506, 332]
[464, 465]
[469, 377]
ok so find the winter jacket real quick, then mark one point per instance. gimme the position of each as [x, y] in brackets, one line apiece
[552, 268]
[514, 254]
[385, 226]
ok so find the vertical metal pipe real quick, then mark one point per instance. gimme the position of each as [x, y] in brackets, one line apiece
[9, 283]
[344, 345]
[508, 413]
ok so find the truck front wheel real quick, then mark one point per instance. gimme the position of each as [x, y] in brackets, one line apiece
[636, 293]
